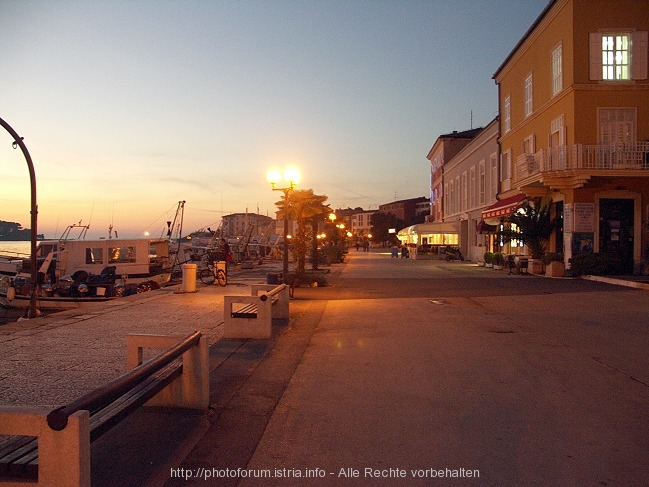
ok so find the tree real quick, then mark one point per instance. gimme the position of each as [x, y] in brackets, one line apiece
[381, 225]
[306, 209]
[534, 226]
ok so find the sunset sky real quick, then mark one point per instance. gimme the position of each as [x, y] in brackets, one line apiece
[128, 107]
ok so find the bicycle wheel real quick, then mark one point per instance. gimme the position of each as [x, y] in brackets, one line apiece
[206, 276]
[221, 277]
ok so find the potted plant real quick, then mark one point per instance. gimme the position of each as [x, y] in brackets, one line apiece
[554, 266]
[488, 259]
[499, 260]
[534, 227]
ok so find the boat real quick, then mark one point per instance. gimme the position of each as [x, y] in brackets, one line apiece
[11, 263]
[73, 272]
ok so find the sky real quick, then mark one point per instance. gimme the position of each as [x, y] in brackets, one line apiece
[128, 107]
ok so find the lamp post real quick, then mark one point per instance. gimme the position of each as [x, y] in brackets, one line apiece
[291, 177]
[18, 142]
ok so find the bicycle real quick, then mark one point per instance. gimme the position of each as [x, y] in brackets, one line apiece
[216, 270]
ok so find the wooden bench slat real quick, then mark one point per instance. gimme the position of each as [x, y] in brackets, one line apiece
[12, 443]
[248, 311]
[17, 462]
[104, 419]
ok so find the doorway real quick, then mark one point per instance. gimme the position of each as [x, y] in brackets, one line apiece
[616, 231]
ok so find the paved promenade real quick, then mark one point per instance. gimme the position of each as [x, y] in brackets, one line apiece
[400, 373]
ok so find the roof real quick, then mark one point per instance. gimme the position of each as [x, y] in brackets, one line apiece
[525, 36]
[466, 134]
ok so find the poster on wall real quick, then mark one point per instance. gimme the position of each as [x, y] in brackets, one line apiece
[584, 217]
[582, 242]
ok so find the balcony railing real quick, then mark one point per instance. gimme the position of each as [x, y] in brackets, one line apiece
[610, 157]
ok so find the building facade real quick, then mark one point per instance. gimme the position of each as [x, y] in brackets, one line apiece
[471, 186]
[238, 225]
[361, 223]
[574, 125]
[406, 210]
[444, 149]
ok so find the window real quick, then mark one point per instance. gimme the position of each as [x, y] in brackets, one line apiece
[528, 145]
[494, 176]
[465, 192]
[507, 115]
[94, 255]
[616, 125]
[121, 254]
[528, 96]
[618, 56]
[445, 197]
[557, 70]
[505, 170]
[482, 181]
[472, 187]
[615, 57]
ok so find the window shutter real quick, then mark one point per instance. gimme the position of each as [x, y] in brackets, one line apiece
[640, 47]
[595, 56]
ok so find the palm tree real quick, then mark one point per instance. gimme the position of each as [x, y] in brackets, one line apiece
[303, 207]
[319, 216]
[534, 226]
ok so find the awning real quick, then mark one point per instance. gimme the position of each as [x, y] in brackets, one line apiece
[430, 227]
[502, 208]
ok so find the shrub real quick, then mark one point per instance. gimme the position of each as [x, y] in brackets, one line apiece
[552, 257]
[489, 257]
[595, 264]
[499, 258]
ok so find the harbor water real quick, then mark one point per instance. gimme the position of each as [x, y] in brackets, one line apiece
[12, 247]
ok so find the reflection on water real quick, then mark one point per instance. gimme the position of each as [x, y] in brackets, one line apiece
[13, 247]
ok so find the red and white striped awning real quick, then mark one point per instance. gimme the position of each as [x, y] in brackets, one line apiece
[503, 208]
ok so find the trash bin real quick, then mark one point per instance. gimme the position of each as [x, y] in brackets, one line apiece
[189, 278]
[272, 278]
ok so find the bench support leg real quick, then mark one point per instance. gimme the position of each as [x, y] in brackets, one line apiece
[259, 328]
[63, 456]
[192, 389]
[280, 309]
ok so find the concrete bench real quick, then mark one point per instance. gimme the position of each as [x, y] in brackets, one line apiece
[52, 447]
[252, 316]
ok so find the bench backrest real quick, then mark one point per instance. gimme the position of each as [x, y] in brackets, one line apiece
[273, 292]
[58, 418]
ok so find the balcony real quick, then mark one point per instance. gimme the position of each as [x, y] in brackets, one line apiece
[583, 160]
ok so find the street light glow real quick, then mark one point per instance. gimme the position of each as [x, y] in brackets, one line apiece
[292, 176]
[274, 176]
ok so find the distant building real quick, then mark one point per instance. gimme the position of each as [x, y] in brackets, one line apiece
[407, 210]
[238, 225]
[361, 223]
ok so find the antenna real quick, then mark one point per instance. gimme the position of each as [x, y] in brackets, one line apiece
[471, 119]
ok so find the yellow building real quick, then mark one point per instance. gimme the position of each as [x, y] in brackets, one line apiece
[574, 125]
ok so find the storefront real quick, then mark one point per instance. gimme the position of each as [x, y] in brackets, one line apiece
[428, 240]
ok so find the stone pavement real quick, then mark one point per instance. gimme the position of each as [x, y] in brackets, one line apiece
[544, 388]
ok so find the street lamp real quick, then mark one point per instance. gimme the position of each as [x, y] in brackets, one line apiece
[18, 142]
[291, 177]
